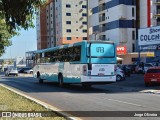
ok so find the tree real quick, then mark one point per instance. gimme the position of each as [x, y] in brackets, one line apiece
[15, 14]
[19, 13]
[4, 36]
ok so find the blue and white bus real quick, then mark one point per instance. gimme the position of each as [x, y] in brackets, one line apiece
[86, 62]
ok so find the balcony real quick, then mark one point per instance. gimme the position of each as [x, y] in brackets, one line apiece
[101, 18]
[102, 29]
[102, 7]
[157, 2]
[156, 15]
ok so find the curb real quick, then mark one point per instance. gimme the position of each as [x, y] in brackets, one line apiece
[47, 106]
[151, 91]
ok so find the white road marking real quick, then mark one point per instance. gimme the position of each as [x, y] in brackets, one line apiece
[133, 104]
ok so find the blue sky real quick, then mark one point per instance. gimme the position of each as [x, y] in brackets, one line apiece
[26, 41]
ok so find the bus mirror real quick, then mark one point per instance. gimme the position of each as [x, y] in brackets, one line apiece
[89, 66]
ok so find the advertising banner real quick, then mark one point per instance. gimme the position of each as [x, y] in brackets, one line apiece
[149, 36]
[121, 50]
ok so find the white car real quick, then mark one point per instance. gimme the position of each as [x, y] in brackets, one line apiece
[139, 68]
[28, 71]
[119, 74]
[11, 71]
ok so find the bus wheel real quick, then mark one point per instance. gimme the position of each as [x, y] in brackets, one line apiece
[60, 79]
[39, 78]
[85, 85]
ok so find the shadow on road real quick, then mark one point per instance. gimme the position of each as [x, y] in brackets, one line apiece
[135, 83]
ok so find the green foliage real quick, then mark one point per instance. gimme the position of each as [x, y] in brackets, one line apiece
[19, 13]
[4, 36]
[15, 14]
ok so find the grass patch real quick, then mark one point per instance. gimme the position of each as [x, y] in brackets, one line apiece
[10, 101]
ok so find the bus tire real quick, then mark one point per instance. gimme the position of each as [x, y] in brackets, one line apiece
[39, 78]
[60, 80]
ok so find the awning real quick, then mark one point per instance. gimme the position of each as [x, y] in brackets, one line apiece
[120, 59]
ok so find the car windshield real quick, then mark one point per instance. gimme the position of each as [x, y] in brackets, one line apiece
[153, 71]
[148, 65]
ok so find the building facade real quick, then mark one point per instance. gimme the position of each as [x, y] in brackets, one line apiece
[149, 11]
[113, 20]
[70, 21]
[66, 22]
[41, 28]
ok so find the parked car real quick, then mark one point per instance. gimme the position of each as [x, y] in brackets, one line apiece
[132, 67]
[26, 70]
[144, 68]
[152, 76]
[119, 74]
[11, 71]
[125, 69]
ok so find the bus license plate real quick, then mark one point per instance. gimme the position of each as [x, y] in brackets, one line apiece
[100, 74]
[154, 80]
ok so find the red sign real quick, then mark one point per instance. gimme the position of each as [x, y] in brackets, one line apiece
[121, 50]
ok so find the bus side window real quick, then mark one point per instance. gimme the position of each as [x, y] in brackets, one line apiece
[77, 53]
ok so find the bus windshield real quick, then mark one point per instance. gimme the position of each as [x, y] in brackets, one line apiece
[102, 50]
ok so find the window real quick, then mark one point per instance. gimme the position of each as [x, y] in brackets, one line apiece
[68, 30]
[133, 47]
[132, 12]
[84, 38]
[71, 54]
[68, 6]
[133, 35]
[68, 14]
[68, 22]
[84, 14]
[84, 6]
[69, 38]
[84, 31]
[84, 23]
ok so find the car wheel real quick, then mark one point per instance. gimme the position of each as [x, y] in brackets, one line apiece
[31, 72]
[147, 85]
[118, 78]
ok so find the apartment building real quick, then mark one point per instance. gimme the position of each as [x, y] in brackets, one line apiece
[113, 20]
[149, 11]
[41, 28]
[64, 22]
[70, 21]
[50, 18]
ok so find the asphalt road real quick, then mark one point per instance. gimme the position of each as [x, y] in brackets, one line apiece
[120, 96]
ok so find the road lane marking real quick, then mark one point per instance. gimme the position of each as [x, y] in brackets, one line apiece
[133, 104]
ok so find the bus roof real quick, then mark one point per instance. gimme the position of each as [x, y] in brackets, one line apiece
[74, 44]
